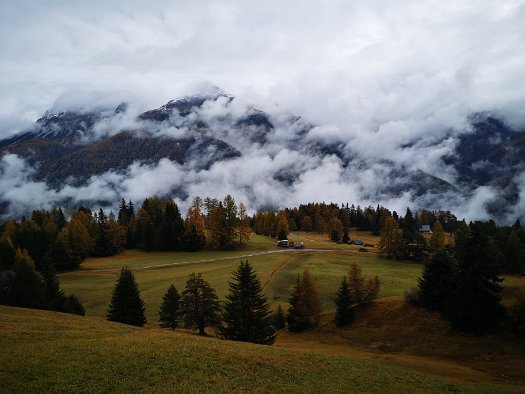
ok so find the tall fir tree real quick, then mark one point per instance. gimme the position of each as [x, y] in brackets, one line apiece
[246, 315]
[200, 305]
[438, 282]
[169, 313]
[345, 312]
[126, 304]
[477, 306]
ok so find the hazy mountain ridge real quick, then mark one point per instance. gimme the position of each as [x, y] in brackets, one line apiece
[202, 133]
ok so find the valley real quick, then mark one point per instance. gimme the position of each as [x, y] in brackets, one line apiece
[391, 345]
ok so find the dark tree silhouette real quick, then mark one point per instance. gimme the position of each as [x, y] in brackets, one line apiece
[200, 306]
[438, 282]
[345, 312]
[126, 305]
[169, 313]
[279, 319]
[305, 307]
[246, 314]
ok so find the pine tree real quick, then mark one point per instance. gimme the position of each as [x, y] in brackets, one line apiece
[169, 313]
[438, 282]
[200, 306]
[345, 313]
[279, 320]
[246, 314]
[305, 308]
[126, 305]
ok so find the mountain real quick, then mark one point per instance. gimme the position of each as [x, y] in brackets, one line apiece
[209, 136]
[62, 146]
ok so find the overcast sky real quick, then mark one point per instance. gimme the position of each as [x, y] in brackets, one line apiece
[358, 65]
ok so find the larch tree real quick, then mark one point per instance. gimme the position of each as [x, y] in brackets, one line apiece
[200, 305]
[230, 220]
[363, 292]
[126, 304]
[246, 315]
[282, 229]
[437, 240]
[305, 307]
[244, 229]
[194, 230]
[390, 242]
[306, 224]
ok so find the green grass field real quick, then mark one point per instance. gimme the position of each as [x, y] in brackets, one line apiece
[278, 271]
[391, 347]
[52, 352]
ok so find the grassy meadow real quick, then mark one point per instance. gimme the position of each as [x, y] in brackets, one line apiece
[52, 352]
[391, 347]
[277, 268]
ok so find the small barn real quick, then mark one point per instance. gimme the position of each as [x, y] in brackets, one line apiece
[425, 228]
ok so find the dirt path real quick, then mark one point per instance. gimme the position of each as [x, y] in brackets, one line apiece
[175, 264]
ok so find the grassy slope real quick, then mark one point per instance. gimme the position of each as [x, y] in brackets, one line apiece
[46, 351]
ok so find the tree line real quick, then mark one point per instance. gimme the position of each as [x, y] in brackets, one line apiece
[245, 315]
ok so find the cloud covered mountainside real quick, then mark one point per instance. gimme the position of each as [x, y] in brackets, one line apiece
[213, 144]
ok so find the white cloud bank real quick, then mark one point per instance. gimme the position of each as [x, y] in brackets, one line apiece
[382, 78]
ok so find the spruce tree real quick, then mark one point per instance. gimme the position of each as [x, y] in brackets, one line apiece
[246, 314]
[345, 312]
[438, 282]
[169, 313]
[200, 305]
[126, 305]
[476, 307]
[279, 320]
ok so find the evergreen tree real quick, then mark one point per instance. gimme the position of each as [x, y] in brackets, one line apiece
[126, 305]
[438, 282]
[476, 306]
[7, 252]
[200, 306]
[305, 308]
[344, 311]
[514, 254]
[279, 319]
[23, 286]
[246, 314]
[169, 313]
[103, 238]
